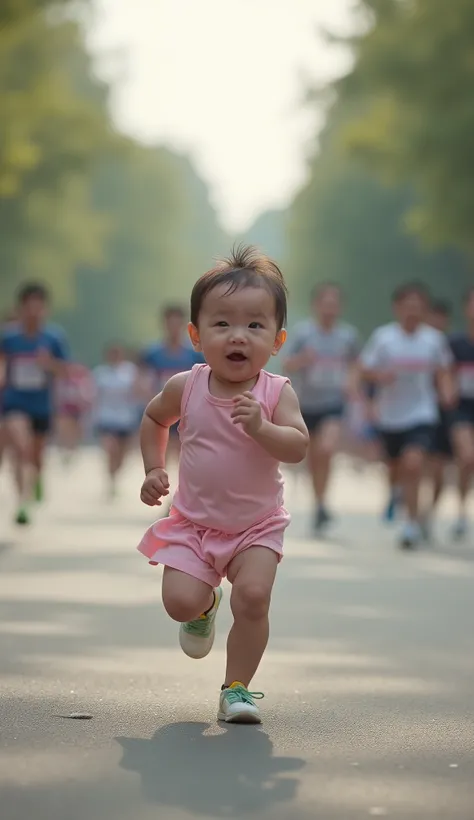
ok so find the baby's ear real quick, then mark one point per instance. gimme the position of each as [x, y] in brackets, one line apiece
[194, 336]
[280, 340]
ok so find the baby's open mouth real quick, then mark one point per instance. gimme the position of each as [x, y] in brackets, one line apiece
[236, 356]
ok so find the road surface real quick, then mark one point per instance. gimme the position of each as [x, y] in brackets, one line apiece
[369, 676]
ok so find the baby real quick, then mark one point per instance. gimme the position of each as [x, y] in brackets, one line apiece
[237, 422]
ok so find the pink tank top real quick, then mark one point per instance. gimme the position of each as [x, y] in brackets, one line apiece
[226, 481]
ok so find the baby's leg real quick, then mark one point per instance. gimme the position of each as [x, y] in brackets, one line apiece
[185, 597]
[252, 574]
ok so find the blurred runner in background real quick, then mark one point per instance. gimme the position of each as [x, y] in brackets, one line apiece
[8, 318]
[33, 353]
[438, 317]
[164, 359]
[462, 431]
[115, 410]
[321, 353]
[74, 397]
[410, 363]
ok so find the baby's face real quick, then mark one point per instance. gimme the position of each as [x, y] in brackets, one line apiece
[237, 332]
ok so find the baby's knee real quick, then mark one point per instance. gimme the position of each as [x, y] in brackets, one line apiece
[181, 608]
[250, 600]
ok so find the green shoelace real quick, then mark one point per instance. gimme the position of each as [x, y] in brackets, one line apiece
[199, 627]
[239, 694]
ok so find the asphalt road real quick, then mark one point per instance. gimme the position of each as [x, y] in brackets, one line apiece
[369, 676]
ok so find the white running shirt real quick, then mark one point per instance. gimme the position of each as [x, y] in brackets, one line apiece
[116, 403]
[412, 398]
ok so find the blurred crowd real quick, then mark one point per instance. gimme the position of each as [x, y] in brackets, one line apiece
[406, 397]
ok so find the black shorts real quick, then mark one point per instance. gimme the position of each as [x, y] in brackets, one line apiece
[442, 437]
[314, 420]
[464, 413]
[40, 425]
[397, 441]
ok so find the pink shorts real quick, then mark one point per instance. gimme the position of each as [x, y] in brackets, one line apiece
[204, 553]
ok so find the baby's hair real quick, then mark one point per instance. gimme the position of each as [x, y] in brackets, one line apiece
[246, 267]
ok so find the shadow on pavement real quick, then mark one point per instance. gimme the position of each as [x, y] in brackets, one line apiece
[229, 774]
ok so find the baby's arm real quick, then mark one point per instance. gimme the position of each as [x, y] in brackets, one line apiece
[163, 411]
[286, 437]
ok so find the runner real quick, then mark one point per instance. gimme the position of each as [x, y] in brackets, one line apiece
[7, 320]
[322, 351]
[74, 395]
[462, 346]
[33, 354]
[115, 412]
[162, 360]
[438, 317]
[410, 363]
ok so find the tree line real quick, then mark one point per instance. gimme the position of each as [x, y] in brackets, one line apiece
[116, 229]
[390, 188]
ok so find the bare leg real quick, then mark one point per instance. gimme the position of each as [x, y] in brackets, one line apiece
[69, 435]
[437, 466]
[252, 575]
[463, 442]
[3, 441]
[411, 472]
[114, 449]
[20, 441]
[322, 448]
[185, 597]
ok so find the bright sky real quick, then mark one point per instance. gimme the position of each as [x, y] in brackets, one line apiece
[223, 80]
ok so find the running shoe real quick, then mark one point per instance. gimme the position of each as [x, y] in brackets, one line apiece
[197, 637]
[411, 535]
[237, 704]
[460, 529]
[322, 518]
[22, 516]
[390, 512]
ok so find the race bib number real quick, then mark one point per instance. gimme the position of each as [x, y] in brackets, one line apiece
[27, 375]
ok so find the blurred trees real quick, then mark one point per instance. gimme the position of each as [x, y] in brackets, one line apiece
[52, 132]
[396, 143]
[165, 233]
[115, 228]
[415, 66]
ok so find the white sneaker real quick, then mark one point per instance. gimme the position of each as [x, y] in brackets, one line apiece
[236, 704]
[411, 535]
[460, 529]
[196, 637]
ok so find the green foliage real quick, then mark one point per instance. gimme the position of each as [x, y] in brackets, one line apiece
[165, 233]
[51, 138]
[415, 65]
[346, 226]
[116, 229]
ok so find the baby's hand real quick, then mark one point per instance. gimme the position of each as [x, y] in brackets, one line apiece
[155, 486]
[247, 412]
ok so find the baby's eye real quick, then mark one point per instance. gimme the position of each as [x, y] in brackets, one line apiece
[255, 325]
[222, 324]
